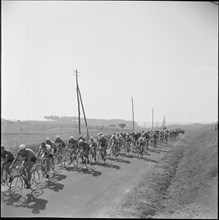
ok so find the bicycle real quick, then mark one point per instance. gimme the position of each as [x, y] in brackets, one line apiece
[92, 155]
[140, 150]
[127, 148]
[59, 158]
[42, 167]
[114, 151]
[100, 156]
[70, 158]
[82, 160]
[20, 180]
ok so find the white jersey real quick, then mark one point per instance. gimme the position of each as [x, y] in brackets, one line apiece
[48, 149]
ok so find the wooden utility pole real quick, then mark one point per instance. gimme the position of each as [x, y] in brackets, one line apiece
[152, 119]
[83, 111]
[79, 118]
[133, 115]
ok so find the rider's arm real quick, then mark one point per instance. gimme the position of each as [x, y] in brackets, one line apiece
[38, 153]
[15, 160]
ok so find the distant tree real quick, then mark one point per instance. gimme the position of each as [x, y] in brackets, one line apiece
[122, 125]
[51, 117]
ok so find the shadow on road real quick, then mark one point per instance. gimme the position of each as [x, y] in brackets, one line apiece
[157, 150]
[120, 160]
[144, 158]
[71, 168]
[107, 164]
[59, 177]
[53, 185]
[91, 171]
[35, 204]
[125, 155]
[31, 202]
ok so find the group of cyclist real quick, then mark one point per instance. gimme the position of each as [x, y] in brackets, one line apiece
[84, 147]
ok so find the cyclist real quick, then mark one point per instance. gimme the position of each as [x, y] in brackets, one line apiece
[54, 147]
[8, 158]
[102, 143]
[140, 144]
[81, 137]
[93, 147]
[52, 144]
[114, 144]
[29, 158]
[155, 135]
[72, 147]
[46, 152]
[60, 144]
[147, 138]
[128, 141]
[83, 148]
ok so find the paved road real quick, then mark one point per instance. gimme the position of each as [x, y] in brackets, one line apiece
[78, 194]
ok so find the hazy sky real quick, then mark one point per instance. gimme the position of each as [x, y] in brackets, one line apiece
[163, 54]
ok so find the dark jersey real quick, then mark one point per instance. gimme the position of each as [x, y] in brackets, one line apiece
[128, 139]
[84, 146]
[102, 141]
[60, 142]
[72, 143]
[7, 154]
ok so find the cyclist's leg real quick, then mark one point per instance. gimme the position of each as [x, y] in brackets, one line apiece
[28, 168]
[47, 160]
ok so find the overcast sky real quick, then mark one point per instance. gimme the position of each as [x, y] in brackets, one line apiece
[163, 54]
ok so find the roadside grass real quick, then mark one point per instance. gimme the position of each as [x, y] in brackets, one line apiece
[183, 184]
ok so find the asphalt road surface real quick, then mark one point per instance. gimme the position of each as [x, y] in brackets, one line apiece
[94, 194]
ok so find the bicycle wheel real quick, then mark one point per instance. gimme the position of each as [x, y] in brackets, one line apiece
[35, 179]
[41, 171]
[16, 186]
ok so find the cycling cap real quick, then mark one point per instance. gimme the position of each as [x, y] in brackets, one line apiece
[22, 147]
[80, 140]
[71, 137]
[47, 139]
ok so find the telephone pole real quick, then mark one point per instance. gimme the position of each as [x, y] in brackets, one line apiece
[133, 115]
[83, 112]
[79, 118]
[80, 102]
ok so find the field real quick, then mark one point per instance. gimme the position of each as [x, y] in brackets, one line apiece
[35, 132]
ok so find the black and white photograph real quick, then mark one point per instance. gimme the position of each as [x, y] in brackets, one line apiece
[109, 109]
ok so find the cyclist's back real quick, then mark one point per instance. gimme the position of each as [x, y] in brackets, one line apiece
[7, 154]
